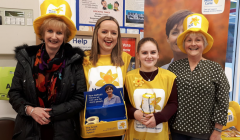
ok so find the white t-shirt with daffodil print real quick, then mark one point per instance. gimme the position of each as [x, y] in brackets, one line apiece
[161, 87]
[104, 73]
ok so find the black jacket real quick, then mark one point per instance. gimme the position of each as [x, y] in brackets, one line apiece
[68, 103]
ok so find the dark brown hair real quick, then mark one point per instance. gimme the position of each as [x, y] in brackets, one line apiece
[144, 40]
[116, 54]
[176, 18]
[107, 87]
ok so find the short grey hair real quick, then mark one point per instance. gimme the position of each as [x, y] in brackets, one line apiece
[196, 34]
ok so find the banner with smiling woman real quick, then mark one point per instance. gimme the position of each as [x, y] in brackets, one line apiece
[163, 22]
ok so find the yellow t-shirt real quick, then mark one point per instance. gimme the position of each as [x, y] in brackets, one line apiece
[103, 73]
[136, 86]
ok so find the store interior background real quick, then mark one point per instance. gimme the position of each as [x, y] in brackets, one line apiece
[12, 36]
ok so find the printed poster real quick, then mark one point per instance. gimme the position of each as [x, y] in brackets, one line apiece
[6, 75]
[129, 45]
[85, 43]
[134, 13]
[216, 11]
[101, 115]
[91, 10]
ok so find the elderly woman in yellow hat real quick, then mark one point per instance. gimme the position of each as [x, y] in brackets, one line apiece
[48, 83]
[202, 86]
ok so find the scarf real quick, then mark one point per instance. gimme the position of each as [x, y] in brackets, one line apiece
[47, 74]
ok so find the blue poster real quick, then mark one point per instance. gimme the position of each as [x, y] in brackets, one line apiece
[105, 103]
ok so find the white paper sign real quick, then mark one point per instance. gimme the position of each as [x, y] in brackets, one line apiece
[82, 42]
[213, 6]
[91, 10]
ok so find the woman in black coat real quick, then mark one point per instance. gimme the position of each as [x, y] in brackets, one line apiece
[48, 83]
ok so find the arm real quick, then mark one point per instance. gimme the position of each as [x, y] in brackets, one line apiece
[18, 98]
[215, 134]
[73, 106]
[169, 109]
[16, 95]
[221, 103]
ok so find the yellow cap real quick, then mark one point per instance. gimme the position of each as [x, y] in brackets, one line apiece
[148, 95]
[55, 8]
[195, 23]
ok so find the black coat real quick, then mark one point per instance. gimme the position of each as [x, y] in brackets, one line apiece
[69, 101]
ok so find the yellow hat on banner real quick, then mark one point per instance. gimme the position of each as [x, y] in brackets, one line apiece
[195, 23]
[55, 8]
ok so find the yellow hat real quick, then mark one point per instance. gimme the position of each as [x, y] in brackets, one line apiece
[195, 23]
[55, 8]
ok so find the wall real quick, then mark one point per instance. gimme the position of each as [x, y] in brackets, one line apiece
[12, 36]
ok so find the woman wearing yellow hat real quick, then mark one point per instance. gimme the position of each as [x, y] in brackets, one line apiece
[48, 84]
[202, 86]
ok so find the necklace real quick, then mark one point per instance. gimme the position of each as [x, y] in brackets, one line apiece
[149, 79]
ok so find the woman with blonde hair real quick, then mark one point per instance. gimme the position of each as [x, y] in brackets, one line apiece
[48, 83]
[202, 86]
[105, 63]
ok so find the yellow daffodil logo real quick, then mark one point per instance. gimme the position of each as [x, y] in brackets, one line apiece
[229, 117]
[122, 124]
[107, 78]
[195, 21]
[58, 9]
[86, 61]
[157, 100]
[138, 81]
[87, 53]
[216, 1]
[153, 103]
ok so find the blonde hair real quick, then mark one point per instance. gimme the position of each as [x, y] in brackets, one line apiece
[205, 43]
[116, 54]
[54, 22]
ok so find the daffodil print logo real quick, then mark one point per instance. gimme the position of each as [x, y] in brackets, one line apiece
[149, 100]
[87, 53]
[216, 1]
[152, 103]
[138, 81]
[195, 21]
[107, 78]
[86, 61]
[58, 9]
[122, 124]
[156, 101]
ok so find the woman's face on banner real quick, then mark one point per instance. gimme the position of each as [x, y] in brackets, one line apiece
[173, 35]
[107, 36]
[148, 55]
[109, 91]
